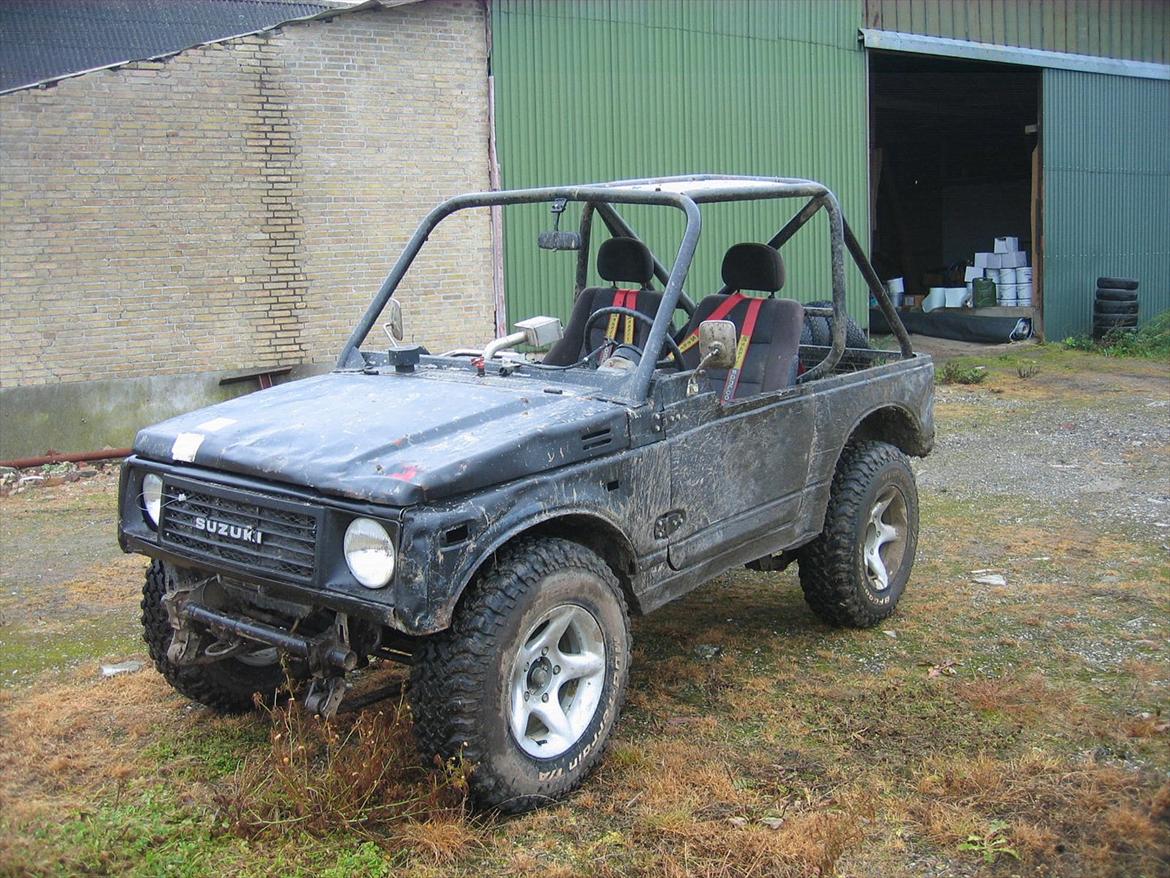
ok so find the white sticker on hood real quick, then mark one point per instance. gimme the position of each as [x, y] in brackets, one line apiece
[215, 424]
[186, 444]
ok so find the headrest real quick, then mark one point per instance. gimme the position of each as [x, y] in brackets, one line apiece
[753, 267]
[625, 260]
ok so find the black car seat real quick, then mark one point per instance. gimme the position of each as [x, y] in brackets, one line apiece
[619, 261]
[771, 326]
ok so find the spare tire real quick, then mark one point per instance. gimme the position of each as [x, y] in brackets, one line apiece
[1106, 307]
[1116, 283]
[823, 327]
[1108, 295]
[1114, 322]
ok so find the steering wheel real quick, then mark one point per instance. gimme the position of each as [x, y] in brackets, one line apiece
[675, 352]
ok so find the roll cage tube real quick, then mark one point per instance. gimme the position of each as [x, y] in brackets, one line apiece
[687, 194]
[636, 388]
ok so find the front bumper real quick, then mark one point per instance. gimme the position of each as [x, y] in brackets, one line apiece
[303, 561]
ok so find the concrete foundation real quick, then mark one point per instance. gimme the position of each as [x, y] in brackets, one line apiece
[91, 415]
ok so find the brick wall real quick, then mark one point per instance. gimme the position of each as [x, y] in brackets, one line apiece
[237, 205]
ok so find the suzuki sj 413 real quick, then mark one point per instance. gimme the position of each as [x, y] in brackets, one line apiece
[493, 517]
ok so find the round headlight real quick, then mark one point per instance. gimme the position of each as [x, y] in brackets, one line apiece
[369, 552]
[152, 497]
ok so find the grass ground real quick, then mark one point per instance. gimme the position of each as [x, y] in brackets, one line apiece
[1021, 729]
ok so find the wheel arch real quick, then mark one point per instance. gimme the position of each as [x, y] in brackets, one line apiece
[895, 424]
[584, 527]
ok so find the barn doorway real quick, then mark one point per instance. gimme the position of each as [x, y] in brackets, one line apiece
[954, 164]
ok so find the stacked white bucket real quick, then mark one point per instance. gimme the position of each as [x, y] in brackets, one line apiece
[1008, 267]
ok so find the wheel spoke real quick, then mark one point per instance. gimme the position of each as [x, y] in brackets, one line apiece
[520, 711]
[575, 665]
[554, 719]
[877, 567]
[552, 633]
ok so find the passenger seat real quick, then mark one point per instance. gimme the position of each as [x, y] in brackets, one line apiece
[773, 349]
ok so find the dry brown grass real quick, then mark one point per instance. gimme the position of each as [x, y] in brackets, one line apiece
[1079, 817]
[358, 774]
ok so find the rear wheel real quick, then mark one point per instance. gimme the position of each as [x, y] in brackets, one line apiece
[527, 683]
[854, 573]
[226, 686]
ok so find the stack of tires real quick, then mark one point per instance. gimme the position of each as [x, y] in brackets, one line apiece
[1115, 306]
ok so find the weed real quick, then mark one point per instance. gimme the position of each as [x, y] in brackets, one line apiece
[956, 373]
[990, 844]
[1026, 369]
[1151, 341]
[360, 775]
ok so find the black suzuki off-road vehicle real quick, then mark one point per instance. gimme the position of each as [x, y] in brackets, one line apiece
[492, 517]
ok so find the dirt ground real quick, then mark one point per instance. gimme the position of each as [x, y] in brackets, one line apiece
[1000, 730]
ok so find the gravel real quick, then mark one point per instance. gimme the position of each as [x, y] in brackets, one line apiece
[1104, 458]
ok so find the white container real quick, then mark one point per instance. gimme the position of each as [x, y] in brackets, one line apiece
[1007, 295]
[1007, 276]
[1024, 273]
[936, 298]
[971, 272]
[896, 285]
[957, 297]
[1006, 245]
[1016, 259]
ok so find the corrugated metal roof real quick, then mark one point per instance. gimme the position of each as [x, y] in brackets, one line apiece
[50, 39]
[1131, 29]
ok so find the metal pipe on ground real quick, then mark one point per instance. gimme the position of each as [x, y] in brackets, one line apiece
[72, 457]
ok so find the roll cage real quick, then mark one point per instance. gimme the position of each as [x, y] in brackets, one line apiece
[684, 193]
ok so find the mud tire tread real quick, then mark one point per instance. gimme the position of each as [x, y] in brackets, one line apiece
[226, 687]
[828, 563]
[451, 669]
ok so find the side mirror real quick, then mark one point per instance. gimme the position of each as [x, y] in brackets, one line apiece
[558, 241]
[716, 344]
[716, 349]
[393, 324]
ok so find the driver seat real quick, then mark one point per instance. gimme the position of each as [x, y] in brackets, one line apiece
[619, 260]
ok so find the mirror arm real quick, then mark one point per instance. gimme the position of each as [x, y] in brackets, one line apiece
[715, 352]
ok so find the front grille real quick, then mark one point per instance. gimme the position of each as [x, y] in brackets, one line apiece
[241, 528]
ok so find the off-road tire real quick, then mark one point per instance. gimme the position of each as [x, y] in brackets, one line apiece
[1105, 308]
[226, 686]
[1117, 283]
[460, 677]
[1107, 295]
[832, 567]
[822, 328]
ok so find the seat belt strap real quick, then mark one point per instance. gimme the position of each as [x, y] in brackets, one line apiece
[619, 301]
[741, 350]
[632, 304]
[719, 313]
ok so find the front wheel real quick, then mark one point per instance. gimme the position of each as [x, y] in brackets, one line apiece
[854, 573]
[527, 683]
[227, 686]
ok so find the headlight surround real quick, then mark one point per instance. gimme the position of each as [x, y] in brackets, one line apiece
[152, 492]
[369, 552]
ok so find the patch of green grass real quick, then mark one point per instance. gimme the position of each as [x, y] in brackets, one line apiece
[955, 372]
[1150, 341]
[26, 651]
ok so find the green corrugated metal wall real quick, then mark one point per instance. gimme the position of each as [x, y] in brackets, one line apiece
[1131, 29]
[1106, 192]
[589, 91]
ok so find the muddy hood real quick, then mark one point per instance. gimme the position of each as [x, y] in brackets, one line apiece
[394, 439]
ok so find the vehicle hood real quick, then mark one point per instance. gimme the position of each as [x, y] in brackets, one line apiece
[388, 438]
